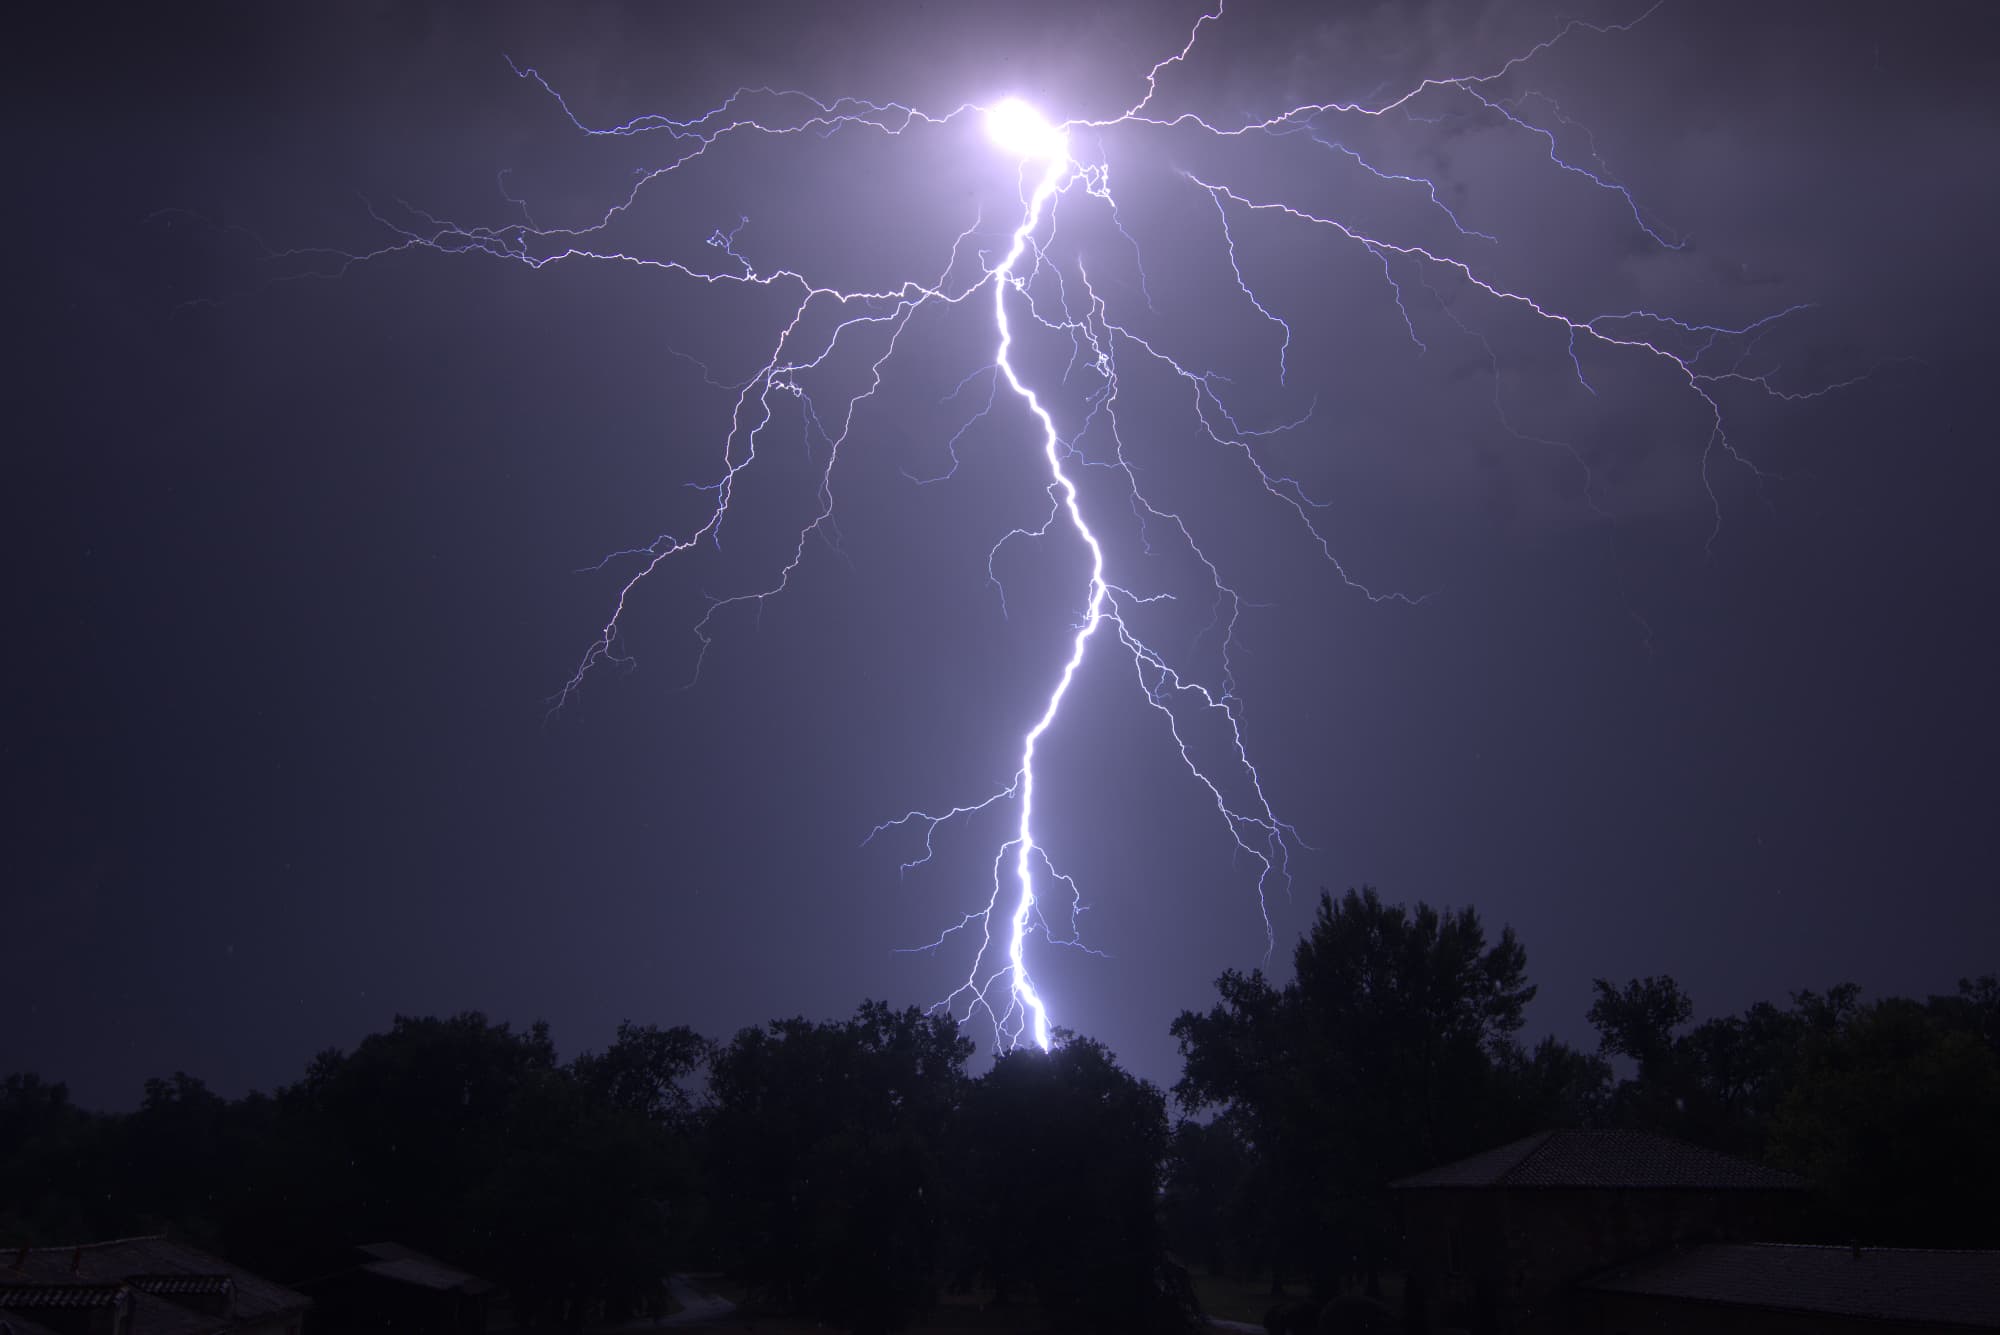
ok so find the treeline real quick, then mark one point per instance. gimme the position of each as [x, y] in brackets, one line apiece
[1394, 1049]
[849, 1170]
[855, 1171]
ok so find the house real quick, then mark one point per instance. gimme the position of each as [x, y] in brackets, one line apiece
[1499, 1241]
[393, 1288]
[1781, 1289]
[139, 1286]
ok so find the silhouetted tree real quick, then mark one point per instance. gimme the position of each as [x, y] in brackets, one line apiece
[1376, 1061]
[1893, 1117]
[648, 1070]
[392, 1139]
[825, 1157]
[53, 1179]
[1721, 1083]
[178, 1158]
[465, 1138]
[588, 1199]
[1551, 1085]
[1244, 1059]
[1740, 1068]
[1065, 1152]
[838, 1166]
[1213, 1205]
[1974, 1009]
[1642, 1021]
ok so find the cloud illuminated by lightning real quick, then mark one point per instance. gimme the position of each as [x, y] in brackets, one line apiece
[1031, 286]
[1016, 127]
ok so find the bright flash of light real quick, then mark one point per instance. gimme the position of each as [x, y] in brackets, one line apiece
[1023, 916]
[1018, 129]
[1442, 281]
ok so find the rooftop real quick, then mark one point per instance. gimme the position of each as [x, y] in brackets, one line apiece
[1604, 1160]
[23, 1297]
[1880, 1283]
[392, 1260]
[153, 1272]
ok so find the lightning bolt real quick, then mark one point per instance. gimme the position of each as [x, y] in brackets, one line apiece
[1024, 841]
[830, 355]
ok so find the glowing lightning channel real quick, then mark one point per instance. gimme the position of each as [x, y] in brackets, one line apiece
[1703, 360]
[1017, 127]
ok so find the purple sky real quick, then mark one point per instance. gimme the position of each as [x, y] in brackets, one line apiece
[297, 572]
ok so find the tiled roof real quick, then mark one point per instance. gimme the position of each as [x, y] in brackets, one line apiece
[158, 1270]
[172, 1285]
[1880, 1283]
[21, 1297]
[1624, 1160]
[164, 1316]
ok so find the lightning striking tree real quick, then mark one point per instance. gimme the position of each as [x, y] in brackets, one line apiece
[831, 350]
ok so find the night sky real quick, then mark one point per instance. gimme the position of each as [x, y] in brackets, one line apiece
[297, 569]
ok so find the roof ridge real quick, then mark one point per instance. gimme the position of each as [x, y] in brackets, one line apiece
[1542, 1140]
[89, 1246]
[1865, 1248]
[1935, 1286]
[1608, 1158]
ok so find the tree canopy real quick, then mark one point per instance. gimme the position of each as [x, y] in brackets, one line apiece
[854, 1170]
[1388, 1052]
